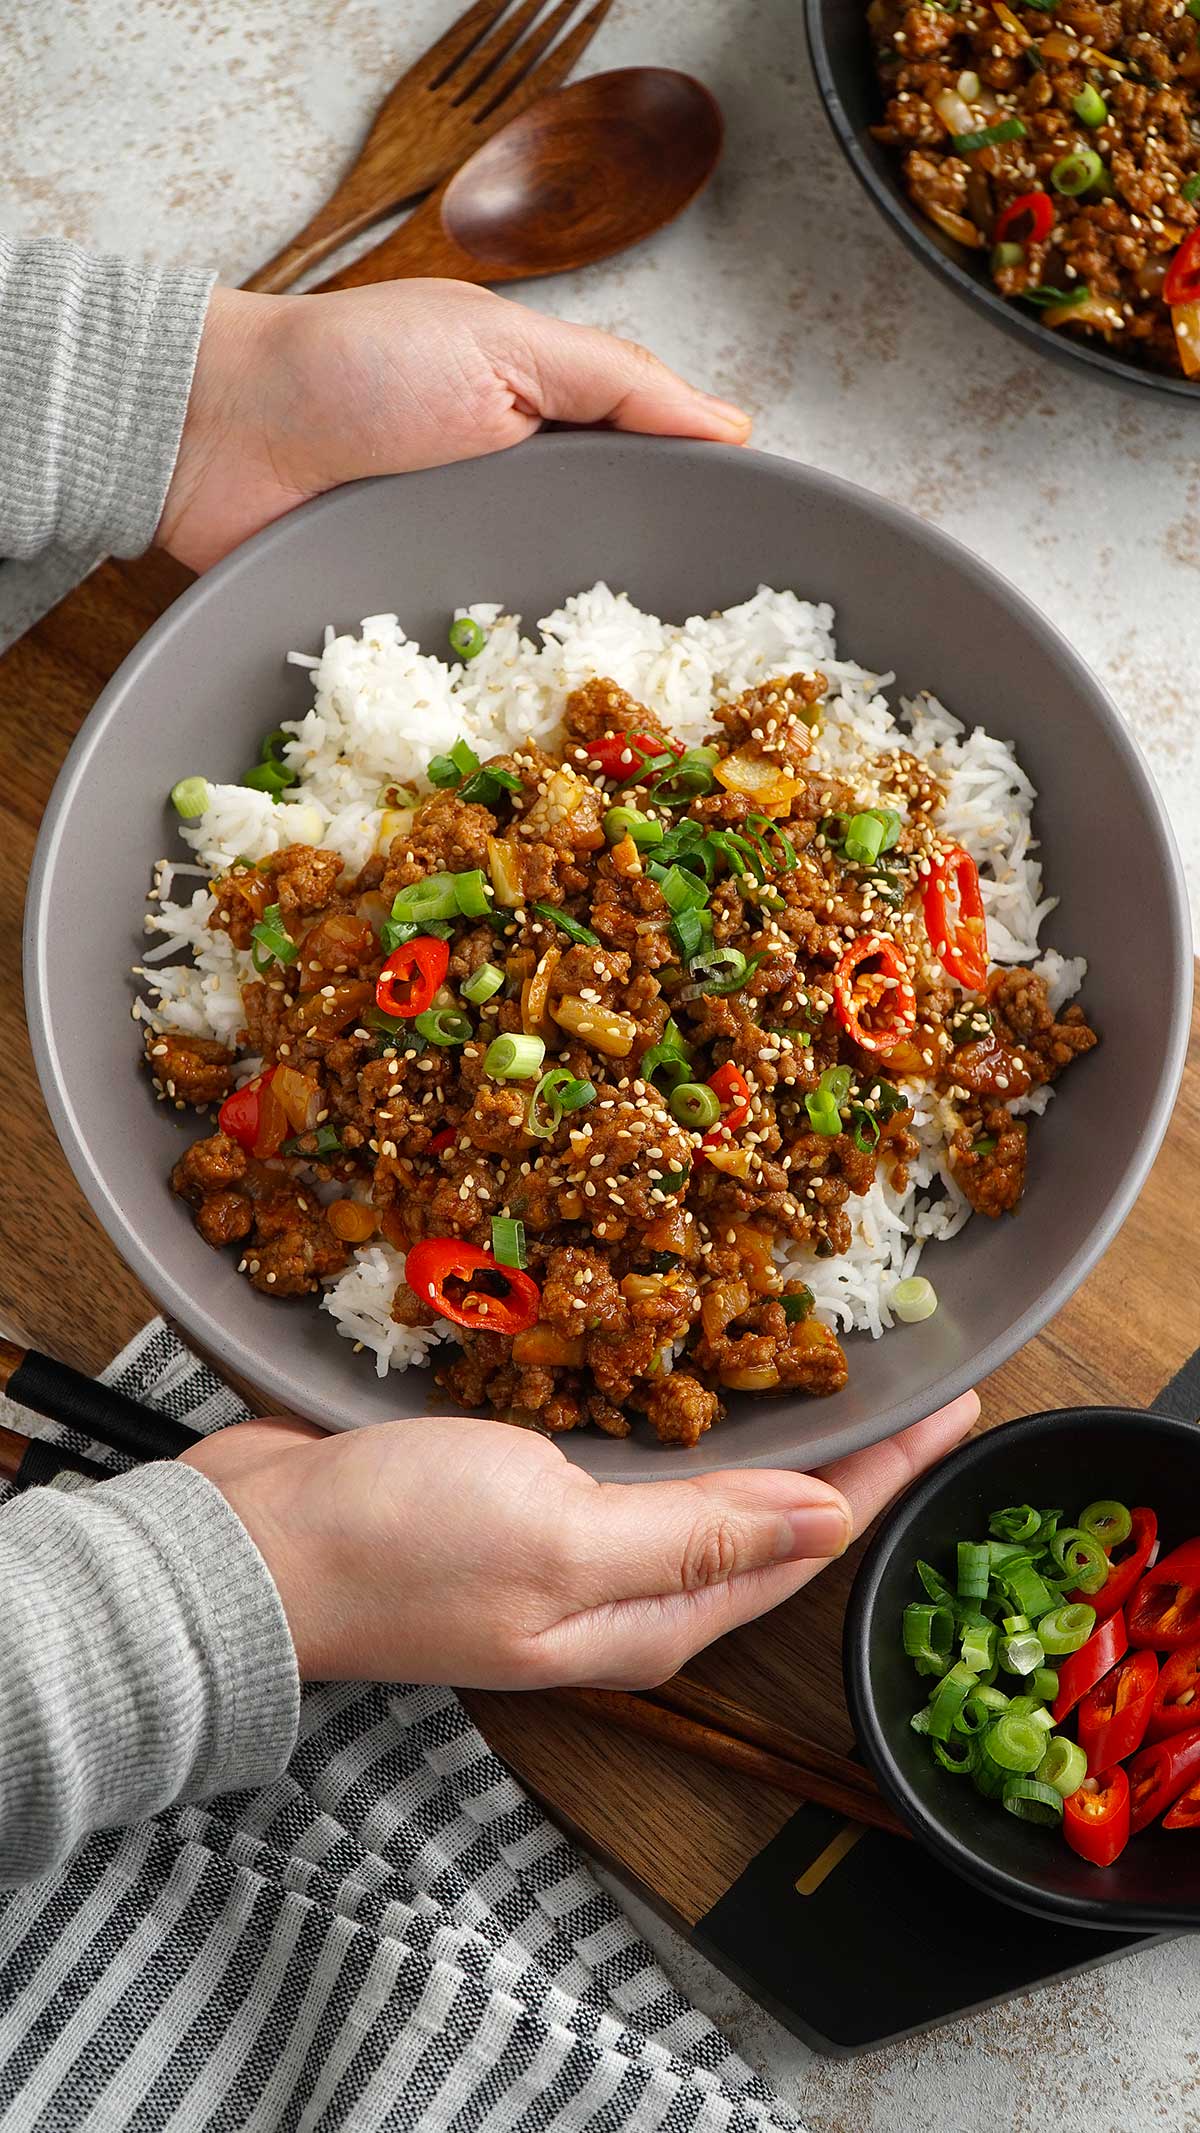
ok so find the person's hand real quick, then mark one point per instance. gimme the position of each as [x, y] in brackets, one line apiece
[474, 1554]
[294, 395]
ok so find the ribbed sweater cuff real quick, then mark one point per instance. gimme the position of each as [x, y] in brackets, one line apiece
[96, 361]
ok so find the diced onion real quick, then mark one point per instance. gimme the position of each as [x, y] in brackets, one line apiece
[954, 112]
[914, 1300]
[1103, 311]
[968, 87]
[956, 226]
[1185, 318]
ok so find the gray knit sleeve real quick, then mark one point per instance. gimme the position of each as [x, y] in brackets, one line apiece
[96, 361]
[144, 1658]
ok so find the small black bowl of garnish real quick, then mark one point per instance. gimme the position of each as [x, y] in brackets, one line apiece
[1012, 205]
[1022, 1666]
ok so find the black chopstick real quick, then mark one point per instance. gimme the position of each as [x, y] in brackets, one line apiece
[27, 1461]
[65, 1395]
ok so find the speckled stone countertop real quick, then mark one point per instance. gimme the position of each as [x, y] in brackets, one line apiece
[209, 132]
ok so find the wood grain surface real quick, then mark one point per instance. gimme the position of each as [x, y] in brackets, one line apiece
[678, 1829]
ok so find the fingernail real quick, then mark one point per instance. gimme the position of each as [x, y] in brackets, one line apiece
[735, 418]
[820, 1529]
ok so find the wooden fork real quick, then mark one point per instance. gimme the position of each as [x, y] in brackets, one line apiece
[437, 115]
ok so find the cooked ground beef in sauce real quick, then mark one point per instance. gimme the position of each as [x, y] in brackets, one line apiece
[647, 1231]
[1119, 81]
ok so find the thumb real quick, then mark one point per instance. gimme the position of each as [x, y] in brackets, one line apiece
[683, 1536]
[565, 373]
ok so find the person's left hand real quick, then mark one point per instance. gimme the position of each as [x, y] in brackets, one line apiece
[293, 395]
[471, 1553]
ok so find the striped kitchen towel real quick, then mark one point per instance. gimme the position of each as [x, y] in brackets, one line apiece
[391, 1936]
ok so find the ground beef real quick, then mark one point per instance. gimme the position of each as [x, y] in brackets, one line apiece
[681, 1409]
[209, 1166]
[600, 707]
[1020, 1002]
[987, 1157]
[189, 1070]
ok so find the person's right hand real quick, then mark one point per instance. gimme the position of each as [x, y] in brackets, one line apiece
[474, 1554]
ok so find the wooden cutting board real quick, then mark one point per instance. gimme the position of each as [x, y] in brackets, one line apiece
[720, 1855]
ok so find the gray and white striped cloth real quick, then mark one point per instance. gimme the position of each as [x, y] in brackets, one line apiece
[391, 1936]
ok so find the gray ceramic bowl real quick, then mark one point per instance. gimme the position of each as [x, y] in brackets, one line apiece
[685, 528]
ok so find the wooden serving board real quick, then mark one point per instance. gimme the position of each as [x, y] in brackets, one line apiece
[719, 1855]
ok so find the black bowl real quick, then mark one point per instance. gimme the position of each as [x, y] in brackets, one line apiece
[840, 46]
[1070, 1457]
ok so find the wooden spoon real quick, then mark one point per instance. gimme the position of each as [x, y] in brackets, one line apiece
[581, 174]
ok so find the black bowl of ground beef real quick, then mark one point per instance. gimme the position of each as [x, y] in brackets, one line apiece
[1105, 95]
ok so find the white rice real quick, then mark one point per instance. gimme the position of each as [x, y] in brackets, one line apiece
[381, 708]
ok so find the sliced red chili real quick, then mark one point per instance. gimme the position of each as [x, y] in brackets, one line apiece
[1159, 1774]
[1081, 1670]
[1182, 284]
[1127, 1568]
[1113, 1716]
[509, 1303]
[1176, 1706]
[1164, 1612]
[621, 755]
[1040, 209]
[886, 991]
[411, 977]
[444, 1139]
[959, 942]
[254, 1117]
[1096, 1819]
[1186, 1812]
[730, 1085]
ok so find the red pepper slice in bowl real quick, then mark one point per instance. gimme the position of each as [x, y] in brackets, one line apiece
[1081, 1670]
[1159, 1773]
[1186, 1812]
[254, 1117]
[1164, 1612]
[730, 1085]
[1113, 1716]
[1176, 1705]
[958, 940]
[885, 993]
[1038, 206]
[1097, 1819]
[443, 1139]
[1127, 1569]
[620, 756]
[412, 976]
[1182, 284]
[438, 1260]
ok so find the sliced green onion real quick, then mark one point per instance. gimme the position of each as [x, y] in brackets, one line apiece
[270, 778]
[989, 1698]
[1029, 1592]
[1064, 1765]
[914, 1300]
[1066, 1629]
[671, 1050]
[863, 841]
[444, 1026]
[968, 144]
[1002, 1552]
[948, 1699]
[979, 1647]
[271, 940]
[1190, 189]
[974, 1570]
[823, 1103]
[514, 1058]
[467, 637]
[582, 936]
[689, 774]
[920, 1719]
[556, 1093]
[1012, 1625]
[927, 1631]
[1107, 1522]
[1006, 255]
[190, 798]
[1081, 1558]
[433, 898]
[453, 768]
[721, 970]
[508, 1241]
[957, 1754]
[974, 1718]
[690, 929]
[1043, 1683]
[1076, 173]
[695, 1105]
[1020, 1523]
[628, 822]
[1046, 295]
[481, 984]
[1021, 1654]
[1026, 1706]
[682, 890]
[1031, 1801]
[326, 1141]
[1089, 106]
[672, 1180]
[933, 1581]
[1015, 1743]
[472, 893]
[796, 1306]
